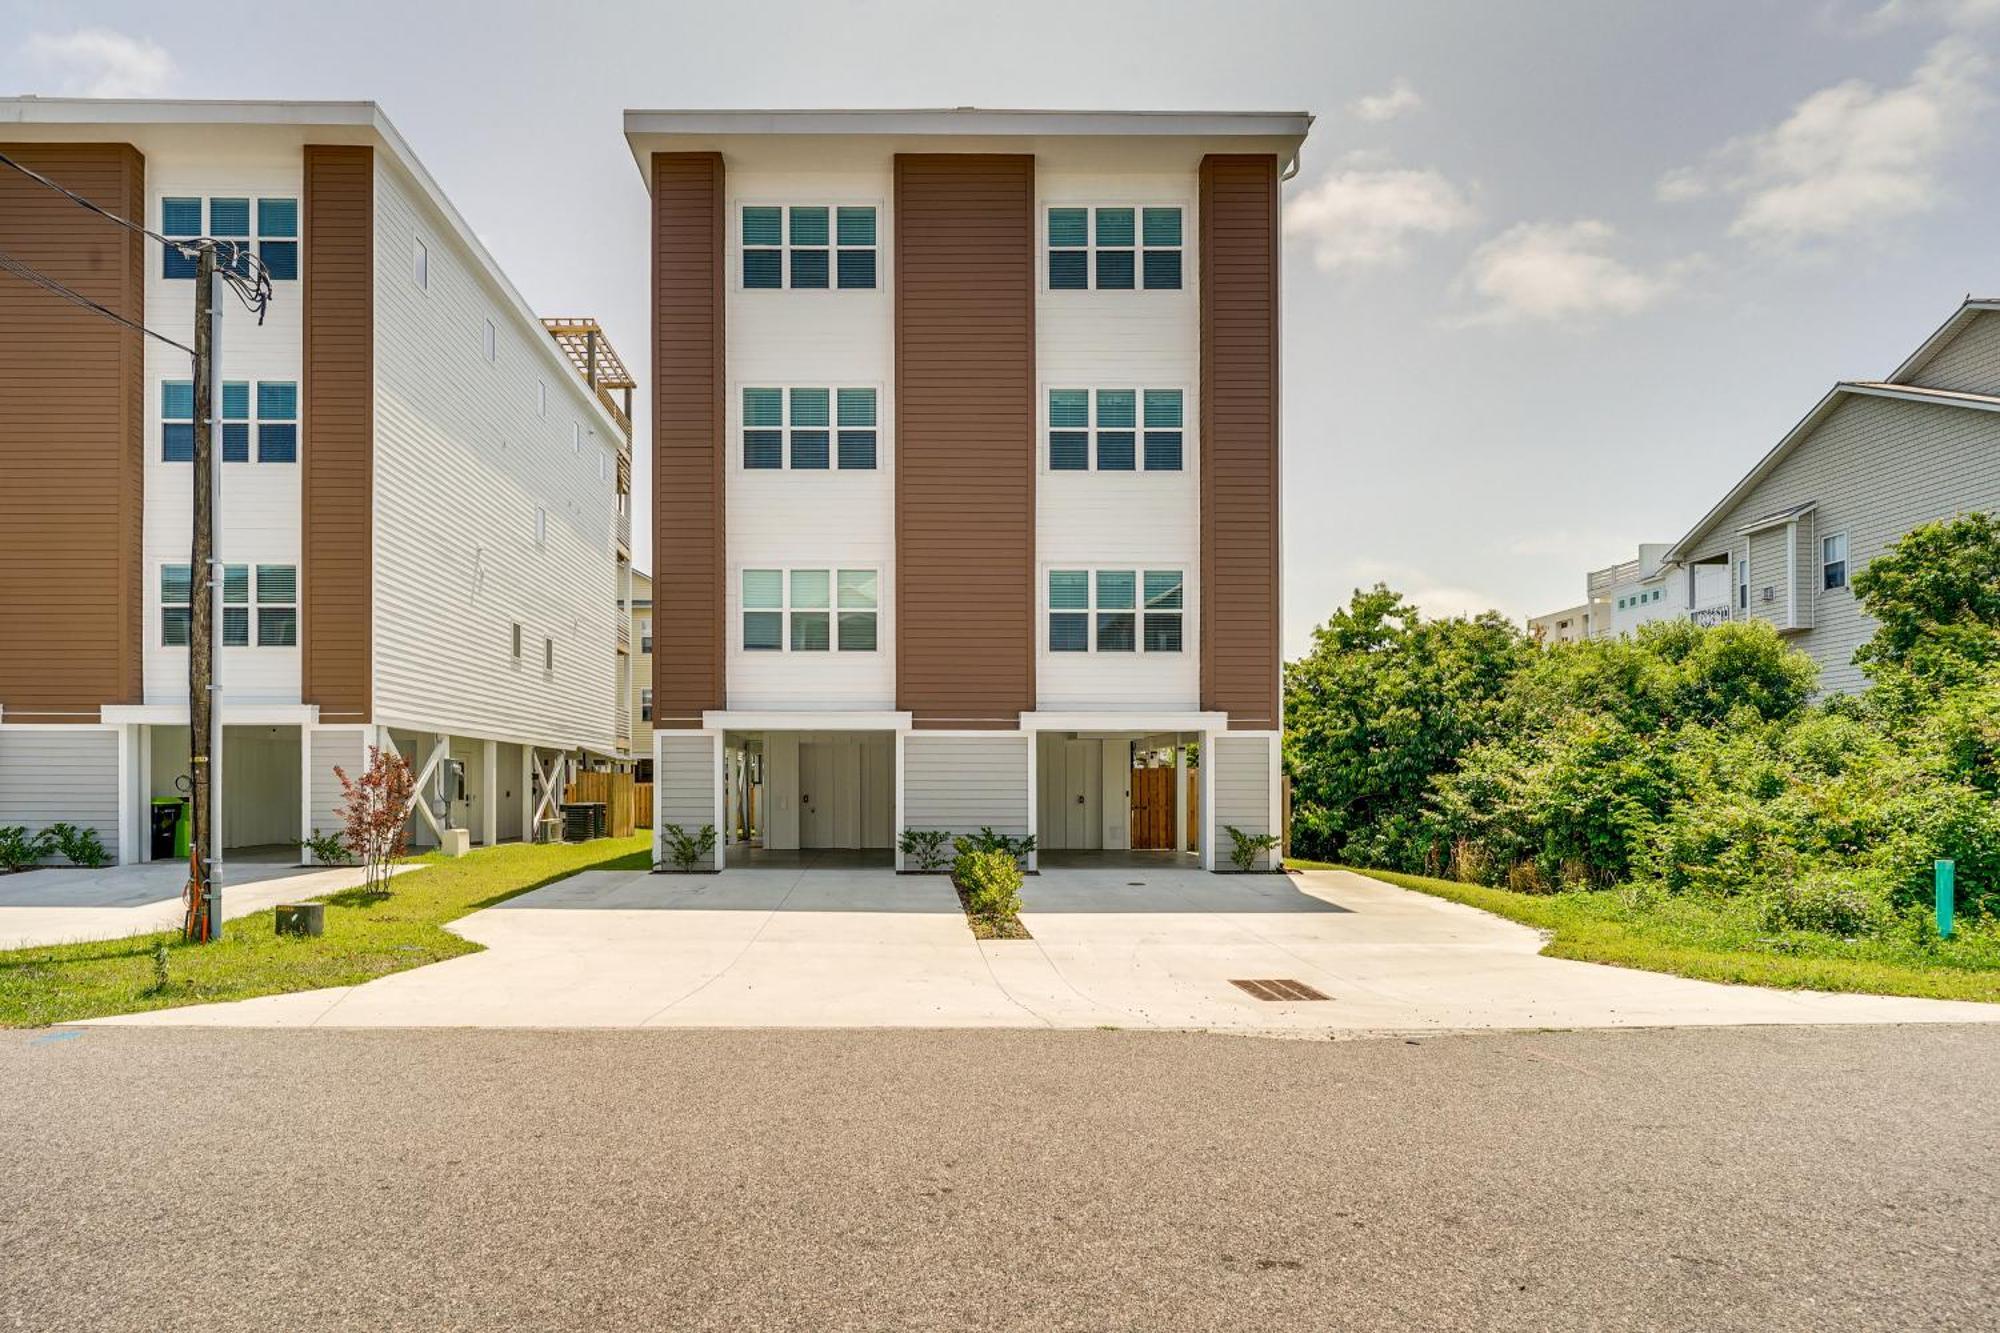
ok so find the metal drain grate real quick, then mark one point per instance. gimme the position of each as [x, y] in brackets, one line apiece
[1278, 988]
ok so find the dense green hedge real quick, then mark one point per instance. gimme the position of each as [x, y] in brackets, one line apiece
[1681, 761]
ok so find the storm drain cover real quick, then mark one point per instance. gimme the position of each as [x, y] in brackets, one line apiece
[1278, 988]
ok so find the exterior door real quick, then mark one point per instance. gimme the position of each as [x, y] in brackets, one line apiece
[1153, 809]
[818, 766]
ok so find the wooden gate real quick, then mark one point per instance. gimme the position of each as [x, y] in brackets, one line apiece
[1153, 809]
[614, 790]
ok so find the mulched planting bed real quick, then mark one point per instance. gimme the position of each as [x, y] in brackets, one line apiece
[989, 927]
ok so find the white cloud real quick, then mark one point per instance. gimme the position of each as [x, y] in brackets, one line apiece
[98, 62]
[1951, 13]
[1850, 159]
[1362, 218]
[1560, 270]
[1378, 107]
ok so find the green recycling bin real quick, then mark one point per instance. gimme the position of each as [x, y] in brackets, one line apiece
[170, 828]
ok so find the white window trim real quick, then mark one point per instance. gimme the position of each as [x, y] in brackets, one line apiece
[1138, 569]
[1846, 563]
[251, 606]
[251, 419]
[833, 467]
[541, 528]
[576, 438]
[490, 343]
[833, 247]
[420, 264]
[541, 398]
[1139, 247]
[1138, 430]
[785, 609]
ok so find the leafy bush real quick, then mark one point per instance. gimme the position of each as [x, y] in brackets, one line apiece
[991, 879]
[986, 840]
[79, 846]
[1249, 848]
[1827, 904]
[926, 847]
[327, 849]
[687, 850]
[19, 849]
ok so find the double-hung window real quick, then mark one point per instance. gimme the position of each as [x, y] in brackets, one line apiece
[276, 606]
[809, 246]
[1115, 610]
[809, 429]
[1099, 429]
[810, 610]
[646, 703]
[1114, 248]
[1743, 584]
[276, 421]
[276, 234]
[229, 224]
[1833, 561]
[179, 217]
[278, 238]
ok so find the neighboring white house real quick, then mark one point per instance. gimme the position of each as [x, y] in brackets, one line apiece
[420, 521]
[1569, 625]
[1872, 460]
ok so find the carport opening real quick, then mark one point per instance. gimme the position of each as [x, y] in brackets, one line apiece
[261, 799]
[789, 792]
[1108, 799]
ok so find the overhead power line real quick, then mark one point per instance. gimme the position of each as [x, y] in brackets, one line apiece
[74, 297]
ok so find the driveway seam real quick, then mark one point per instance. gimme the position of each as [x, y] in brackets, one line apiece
[727, 967]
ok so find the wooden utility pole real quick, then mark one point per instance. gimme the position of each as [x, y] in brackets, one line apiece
[204, 889]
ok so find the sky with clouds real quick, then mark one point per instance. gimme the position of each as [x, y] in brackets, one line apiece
[1557, 272]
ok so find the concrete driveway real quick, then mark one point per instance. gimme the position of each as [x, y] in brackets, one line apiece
[1111, 948]
[66, 905]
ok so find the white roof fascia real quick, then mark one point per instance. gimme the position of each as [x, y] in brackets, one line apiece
[974, 121]
[366, 116]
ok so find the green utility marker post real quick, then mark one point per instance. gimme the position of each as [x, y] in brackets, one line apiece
[1946, 873]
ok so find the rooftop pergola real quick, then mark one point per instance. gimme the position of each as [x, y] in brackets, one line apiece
[597, 361]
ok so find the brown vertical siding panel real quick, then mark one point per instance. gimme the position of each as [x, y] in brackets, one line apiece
[1239, 439]
[337, 536]
[72, 447]
[690, 571]
[965, 438]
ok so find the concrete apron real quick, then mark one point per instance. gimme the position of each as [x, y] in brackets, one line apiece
[1117, 947]
[67, 906]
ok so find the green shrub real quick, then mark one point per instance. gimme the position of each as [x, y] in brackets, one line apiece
[1826, 904]
[79, 846]
[992, 883]
[987, 840]
[1249, 848]
[687, 850]
[926, 847]
[327, 849]
[20, 849]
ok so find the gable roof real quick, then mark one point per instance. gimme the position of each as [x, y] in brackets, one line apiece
[1909, 393]
[1969, 309]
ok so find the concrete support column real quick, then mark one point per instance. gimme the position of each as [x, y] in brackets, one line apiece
[1208, 830]
[489, 793]
[1034, 797]
[1180, 796]
[305, 793]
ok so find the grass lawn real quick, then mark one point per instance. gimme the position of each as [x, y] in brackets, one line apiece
[1725, 941]
[365, 938]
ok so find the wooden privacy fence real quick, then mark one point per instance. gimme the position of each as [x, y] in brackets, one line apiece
[627, 804]
[1153, 807]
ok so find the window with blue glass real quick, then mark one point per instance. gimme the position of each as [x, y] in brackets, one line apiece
[177, 421]
[235, 421]
[1119, 248]
[808, 246]
[1100, 430]
[1115, 610]
[810, 610]
[179, 217]
[809, 429]
[278, 238]
[271, 225]
[277, 421]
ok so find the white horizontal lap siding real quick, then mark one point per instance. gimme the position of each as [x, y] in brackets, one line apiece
[965, 783]
[344, 749]
[685, 777]
[781, 519]
[58, 775]
[1874, 469]
[1969, 363]
[1242, 788]
[259, 518]
[462, 462]
[1138, 339]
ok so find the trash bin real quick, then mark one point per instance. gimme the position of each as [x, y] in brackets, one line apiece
[170, 829]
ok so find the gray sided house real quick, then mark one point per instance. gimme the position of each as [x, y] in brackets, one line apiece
[1872, 460]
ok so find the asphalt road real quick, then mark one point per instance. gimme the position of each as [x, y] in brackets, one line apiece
[1752, 1178]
